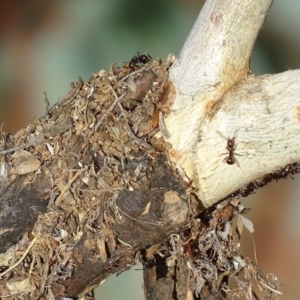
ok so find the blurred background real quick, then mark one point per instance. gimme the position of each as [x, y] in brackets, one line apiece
[45, 45]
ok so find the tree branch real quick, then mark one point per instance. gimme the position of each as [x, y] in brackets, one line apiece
[266, 112]
[219, 44]
[210, 90]
[116, 185]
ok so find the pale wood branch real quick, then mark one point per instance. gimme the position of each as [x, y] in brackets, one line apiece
[210, 90]
[216, 54]
[266, 112]
[115, 194]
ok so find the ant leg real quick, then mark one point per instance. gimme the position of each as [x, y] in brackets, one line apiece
[235, 133]
[221, 135]
[237, 162]
[237, 153]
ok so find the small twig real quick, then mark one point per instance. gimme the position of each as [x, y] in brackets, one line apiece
[137, 140]
[255, 257]
[2, 134]
[268, 287]
[71, 95]
[32, 140]
[162, 126]
[124, 243]
[135, 72]
[103, 190]
[53, 194]
[138, 220]
[47, 103]
[78, 88]
[112, 106]
[16, 148]
[60, 197]
[21, 259]
[10, 295]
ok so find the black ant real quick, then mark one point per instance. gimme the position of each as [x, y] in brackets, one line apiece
[231, 147]
[142, 59]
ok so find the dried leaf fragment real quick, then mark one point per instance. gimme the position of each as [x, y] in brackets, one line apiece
[247, 223]
[24, 162]
[19, 285]
[101, 249]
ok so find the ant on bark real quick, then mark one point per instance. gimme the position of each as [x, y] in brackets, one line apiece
[231, 147]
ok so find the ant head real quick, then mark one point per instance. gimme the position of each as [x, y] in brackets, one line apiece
[231, 142]
[144, 58]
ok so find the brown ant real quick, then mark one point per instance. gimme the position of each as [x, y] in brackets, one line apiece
[231, 147]
[142, 59]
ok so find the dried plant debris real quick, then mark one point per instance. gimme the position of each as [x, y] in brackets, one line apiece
[211, 252]
[97, 141]
[91, 144]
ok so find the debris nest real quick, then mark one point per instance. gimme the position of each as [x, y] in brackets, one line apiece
[210, 257]
[95, 142]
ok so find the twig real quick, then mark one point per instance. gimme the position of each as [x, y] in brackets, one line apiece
[60, 197]
[268, 287]
[21, 259]
[162, 126]
[47, 103]
[16, 148]
[138, 220]
[135, 72]
[137, 140]
[112, 106]
[103, 190]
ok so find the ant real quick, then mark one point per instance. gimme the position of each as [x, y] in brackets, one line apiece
[143, 59]
[231, 146]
